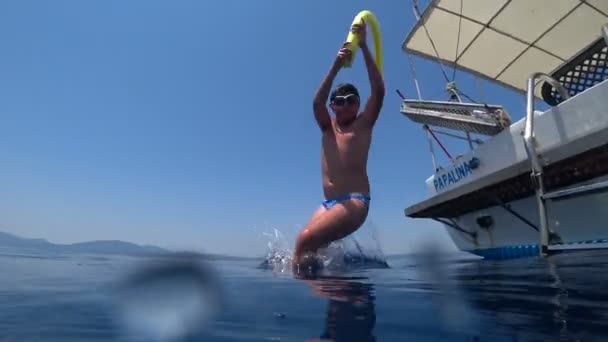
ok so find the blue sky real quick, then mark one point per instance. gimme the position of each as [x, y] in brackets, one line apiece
[188, 124]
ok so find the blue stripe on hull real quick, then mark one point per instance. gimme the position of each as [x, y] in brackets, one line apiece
[520, 251]
[507, 252]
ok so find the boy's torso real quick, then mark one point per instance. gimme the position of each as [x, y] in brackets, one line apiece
[344, 155]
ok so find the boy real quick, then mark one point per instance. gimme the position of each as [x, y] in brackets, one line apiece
[346, 140]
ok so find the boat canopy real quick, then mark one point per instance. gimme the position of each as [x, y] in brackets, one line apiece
[506, 40]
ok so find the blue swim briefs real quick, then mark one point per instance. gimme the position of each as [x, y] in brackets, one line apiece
[353, 195]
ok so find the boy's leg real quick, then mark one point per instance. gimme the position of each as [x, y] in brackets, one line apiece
[316, 215]
[333, 224]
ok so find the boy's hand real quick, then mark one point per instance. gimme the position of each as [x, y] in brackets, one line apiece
[361, 31]
[344, 54]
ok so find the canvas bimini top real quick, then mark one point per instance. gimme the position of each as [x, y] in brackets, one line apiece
[504, 40]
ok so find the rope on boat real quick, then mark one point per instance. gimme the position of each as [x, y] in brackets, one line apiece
[438, 141]
[457, 43]
[451, 85]
[454, 92]
[413, 69]
[418, 16]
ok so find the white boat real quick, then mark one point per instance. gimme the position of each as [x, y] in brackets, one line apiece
[538, 185]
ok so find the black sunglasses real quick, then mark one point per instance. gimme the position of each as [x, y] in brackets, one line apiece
[349, 99]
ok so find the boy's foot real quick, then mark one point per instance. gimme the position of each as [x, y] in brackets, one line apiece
[308, 265]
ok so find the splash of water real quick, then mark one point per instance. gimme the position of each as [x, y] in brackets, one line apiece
[346, 253]
[278, 258]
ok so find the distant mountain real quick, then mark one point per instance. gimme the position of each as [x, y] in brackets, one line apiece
[114, 247]
[7, 239]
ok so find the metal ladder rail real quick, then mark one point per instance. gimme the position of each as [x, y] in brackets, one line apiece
[537, 169]
[530, 144]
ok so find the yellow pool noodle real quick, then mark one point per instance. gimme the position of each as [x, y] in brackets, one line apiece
[373, 28]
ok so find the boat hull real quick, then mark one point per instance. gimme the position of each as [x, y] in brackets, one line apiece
[578, 222]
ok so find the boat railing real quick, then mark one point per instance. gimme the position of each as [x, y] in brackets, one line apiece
[581, 72]
[529, 128]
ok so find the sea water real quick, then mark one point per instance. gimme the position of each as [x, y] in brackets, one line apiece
[428, 296]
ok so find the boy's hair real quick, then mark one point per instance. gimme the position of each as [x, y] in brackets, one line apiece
[343, 89]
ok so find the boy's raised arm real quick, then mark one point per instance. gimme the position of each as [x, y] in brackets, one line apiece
[376, 97]
[320, 99]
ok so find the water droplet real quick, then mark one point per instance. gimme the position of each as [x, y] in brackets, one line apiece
[168, 299]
